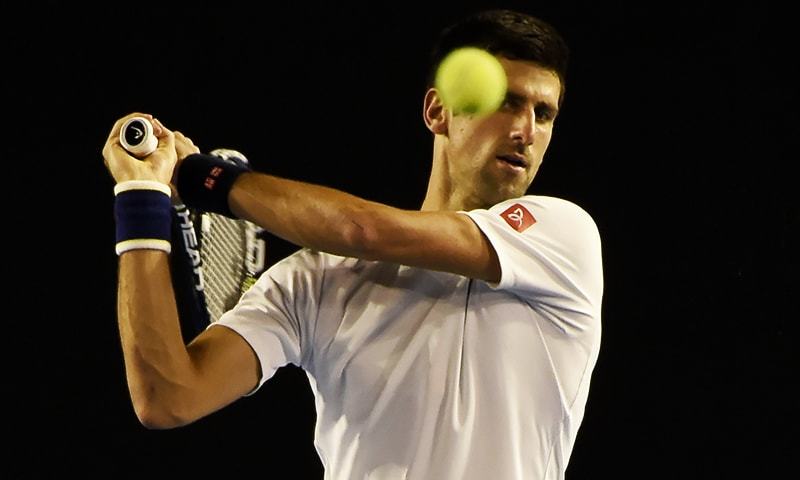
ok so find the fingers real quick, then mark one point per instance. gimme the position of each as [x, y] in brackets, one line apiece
[114, 134]
[156, 166]
[158, 128]
[166, 138]
[184, 145]
[180, 137]
[112, 142]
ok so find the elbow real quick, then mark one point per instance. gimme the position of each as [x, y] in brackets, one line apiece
[157, 416]
[359, 234]
[151, 422]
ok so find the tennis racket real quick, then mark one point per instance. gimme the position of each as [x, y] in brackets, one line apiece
[214, 259]
[219, 258]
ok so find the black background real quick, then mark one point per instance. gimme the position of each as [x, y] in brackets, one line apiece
[679, 135]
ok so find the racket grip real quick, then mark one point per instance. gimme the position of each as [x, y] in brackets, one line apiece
[137, 137]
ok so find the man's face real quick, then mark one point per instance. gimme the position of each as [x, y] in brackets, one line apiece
[495, 157]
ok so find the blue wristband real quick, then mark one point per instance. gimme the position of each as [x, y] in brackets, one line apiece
[204, 182]
[143, 213]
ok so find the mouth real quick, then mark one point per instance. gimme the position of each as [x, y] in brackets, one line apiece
[516, 162]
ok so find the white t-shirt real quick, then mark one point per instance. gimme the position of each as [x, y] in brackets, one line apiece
[419, 374]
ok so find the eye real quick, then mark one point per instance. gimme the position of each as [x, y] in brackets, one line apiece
[545, 114]
[510, 103]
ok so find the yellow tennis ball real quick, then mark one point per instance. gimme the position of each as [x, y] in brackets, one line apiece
[471, 80]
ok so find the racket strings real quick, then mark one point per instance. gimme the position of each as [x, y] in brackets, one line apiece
[223, 251]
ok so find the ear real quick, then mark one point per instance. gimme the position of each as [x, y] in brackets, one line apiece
[434, 113]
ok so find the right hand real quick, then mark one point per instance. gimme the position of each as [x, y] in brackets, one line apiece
[158, 166]
[183, 148]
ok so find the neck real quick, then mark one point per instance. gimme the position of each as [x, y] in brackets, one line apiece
[440, 188]
[441, 193]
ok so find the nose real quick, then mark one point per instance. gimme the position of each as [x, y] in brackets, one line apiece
[524, 127]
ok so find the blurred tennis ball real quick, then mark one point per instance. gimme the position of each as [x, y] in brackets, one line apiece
[471, 80]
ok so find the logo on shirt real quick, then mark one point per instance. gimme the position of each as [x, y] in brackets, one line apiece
[518, 217]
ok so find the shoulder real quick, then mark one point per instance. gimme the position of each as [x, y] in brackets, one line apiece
[544, 212]
[549, 248]
[552, 205]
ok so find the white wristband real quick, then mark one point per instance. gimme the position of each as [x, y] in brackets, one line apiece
[143, 244]
[142, 185]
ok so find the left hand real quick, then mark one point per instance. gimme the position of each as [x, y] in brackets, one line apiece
[158, 166]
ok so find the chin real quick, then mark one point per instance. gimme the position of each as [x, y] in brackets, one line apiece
[498, 190]
[498, 197]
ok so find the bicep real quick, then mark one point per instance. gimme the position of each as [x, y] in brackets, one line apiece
[443, 240]
[226, 368]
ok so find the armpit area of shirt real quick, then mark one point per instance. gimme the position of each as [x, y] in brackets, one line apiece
[493, 242]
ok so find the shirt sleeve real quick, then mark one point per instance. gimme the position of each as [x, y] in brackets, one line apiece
[276, 315]
[549, 253]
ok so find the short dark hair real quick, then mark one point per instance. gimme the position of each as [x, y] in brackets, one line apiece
[506, 33]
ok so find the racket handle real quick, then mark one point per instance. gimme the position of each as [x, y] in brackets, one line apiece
[136, 136]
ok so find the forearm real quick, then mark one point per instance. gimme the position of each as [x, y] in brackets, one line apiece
[336, 222]
[156, 360]
[307, 215]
